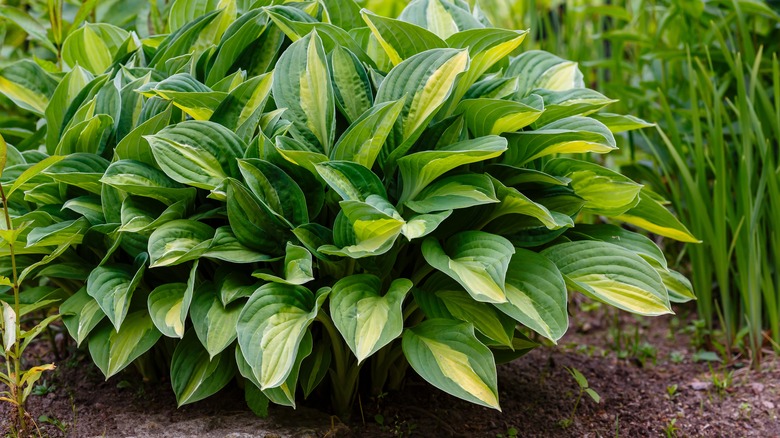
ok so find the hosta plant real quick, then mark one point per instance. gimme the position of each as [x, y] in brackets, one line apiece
[310, 198]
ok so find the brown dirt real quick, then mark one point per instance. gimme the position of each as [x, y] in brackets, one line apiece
[634, 379]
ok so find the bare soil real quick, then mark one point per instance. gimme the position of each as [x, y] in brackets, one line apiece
[648, 377]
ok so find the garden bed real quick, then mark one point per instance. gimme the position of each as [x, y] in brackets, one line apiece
[536, 394]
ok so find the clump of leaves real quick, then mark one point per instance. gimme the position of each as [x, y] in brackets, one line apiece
[311, 197]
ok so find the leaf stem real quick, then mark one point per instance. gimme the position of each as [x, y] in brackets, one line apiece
[17, 377]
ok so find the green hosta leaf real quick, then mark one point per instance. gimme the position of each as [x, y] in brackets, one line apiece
[214, 323]
[302, 84]
[351, 87]
[178, 241]
[28, 85]
[112, 350]
[235, 285]
[49, 257]
[611, 274]
[134, 146]
[315, 367]
[141, 179]
[605, 191]
[30, 173]
[131, 103]
[424, 81]
[301, 25]
[678, 287]
[634, 242]
[375, 225]
[195, 99]
[181, 41]
[442, 297]
[169, 304]
[487, 47]
[166, 305]
[536, 294]
[298, 267]
[278, 191]
[423, 224]
[79, 169]
[454, 192]
[255, 399]
[253, 226]
[567, 103]
[111, 200]
[225, 246]
[492, 88]
[400, 39]
[195, 374]
[69, 87]
[441, 17]
[283, 394]
[344, 13]
[299, 153]
[184, 11]
[572, 135]
[80, 314]
[496, 116]
[271, 327]
[93, 46]
[86, 136]
[367, 320]
[245, 31]
[30, 25]
[145, 225]
[56, 234]
[113, 286]
[448, 355]
[478, 261]
[363, 140]
[137, 214]
[45, 194]
[540, 69]
[621, 123]
[654, 217]
[242, 108]
[522, 177]
[420, 169]
[197, 153]
[352, 181]
[69, 270]
[513, 202]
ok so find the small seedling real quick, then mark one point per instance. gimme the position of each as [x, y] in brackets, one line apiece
[671, 391]
[646, 352]
[676, 357]
[721, 382]
[510, 433]
[745, 410]
[54, 422]
[44, 388]
[584, 388]
[671, 429]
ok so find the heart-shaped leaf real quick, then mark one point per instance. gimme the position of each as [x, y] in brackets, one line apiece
[367, 320]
